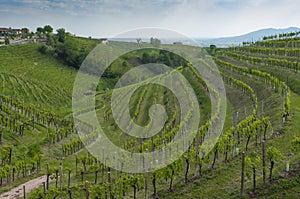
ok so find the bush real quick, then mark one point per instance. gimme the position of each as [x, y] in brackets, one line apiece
[43, 49]
[6, 41]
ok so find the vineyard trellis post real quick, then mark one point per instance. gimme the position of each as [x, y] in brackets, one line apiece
[44, 187]
[86, 189]
[76, 166]
[262, 108]
[61, 174]
[264, 160]
[243, 174]
[235, 117]
[24, 192]
[146, 175]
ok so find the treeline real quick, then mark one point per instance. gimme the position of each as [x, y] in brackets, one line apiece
[73, 50]
[65, 47]
[144, 56]
[282, 35]
[283, 42]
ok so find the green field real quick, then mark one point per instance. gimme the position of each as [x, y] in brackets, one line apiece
[262, 90]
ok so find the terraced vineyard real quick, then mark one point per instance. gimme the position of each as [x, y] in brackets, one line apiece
[38, 134]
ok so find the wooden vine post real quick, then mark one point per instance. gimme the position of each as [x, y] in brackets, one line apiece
[264, 160]
[243, 174]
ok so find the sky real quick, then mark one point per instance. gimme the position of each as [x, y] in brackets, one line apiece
[193, 18]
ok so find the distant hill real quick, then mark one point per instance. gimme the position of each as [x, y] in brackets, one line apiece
[252, 36]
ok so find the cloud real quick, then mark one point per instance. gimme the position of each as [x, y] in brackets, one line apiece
[216, 18]
[191, 17]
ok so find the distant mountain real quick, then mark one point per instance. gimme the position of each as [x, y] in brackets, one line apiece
[252, 36]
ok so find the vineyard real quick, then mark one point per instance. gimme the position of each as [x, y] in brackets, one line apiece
[257, 154]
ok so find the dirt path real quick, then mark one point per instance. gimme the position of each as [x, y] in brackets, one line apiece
[17, 192]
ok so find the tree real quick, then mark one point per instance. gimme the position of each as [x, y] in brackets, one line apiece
[212, 49]
[7, 41]
[50, 40]
[155, 42]
[273, 154]
[40, 31]
[25, 32]
[146, 58]
[31, 34]
[48, 29]
[43, 49]
[61, 35]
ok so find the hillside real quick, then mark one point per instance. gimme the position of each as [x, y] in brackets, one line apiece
[244, 63]
[38, 132]
[249, 37]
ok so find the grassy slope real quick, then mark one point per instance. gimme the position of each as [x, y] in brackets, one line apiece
[26, 62]
[69, 162]
[214, 182]
[40, 75]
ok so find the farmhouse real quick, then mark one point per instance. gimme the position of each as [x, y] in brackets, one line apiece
[3, 30]
[104, 41]
[10, 31]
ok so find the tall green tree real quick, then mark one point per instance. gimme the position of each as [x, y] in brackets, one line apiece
[25, 30]
[61, 35]
[212, 49]
[48, 29]
[40, 31]
[155, 42]
[6, 41]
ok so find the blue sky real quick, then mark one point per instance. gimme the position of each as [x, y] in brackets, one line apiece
[194, 18]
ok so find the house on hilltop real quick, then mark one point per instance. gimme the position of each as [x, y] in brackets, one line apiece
[104, 41]
[18, 31]
[10, 31]
[4, 31]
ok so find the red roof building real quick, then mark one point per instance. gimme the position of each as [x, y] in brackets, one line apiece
[4, 29]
